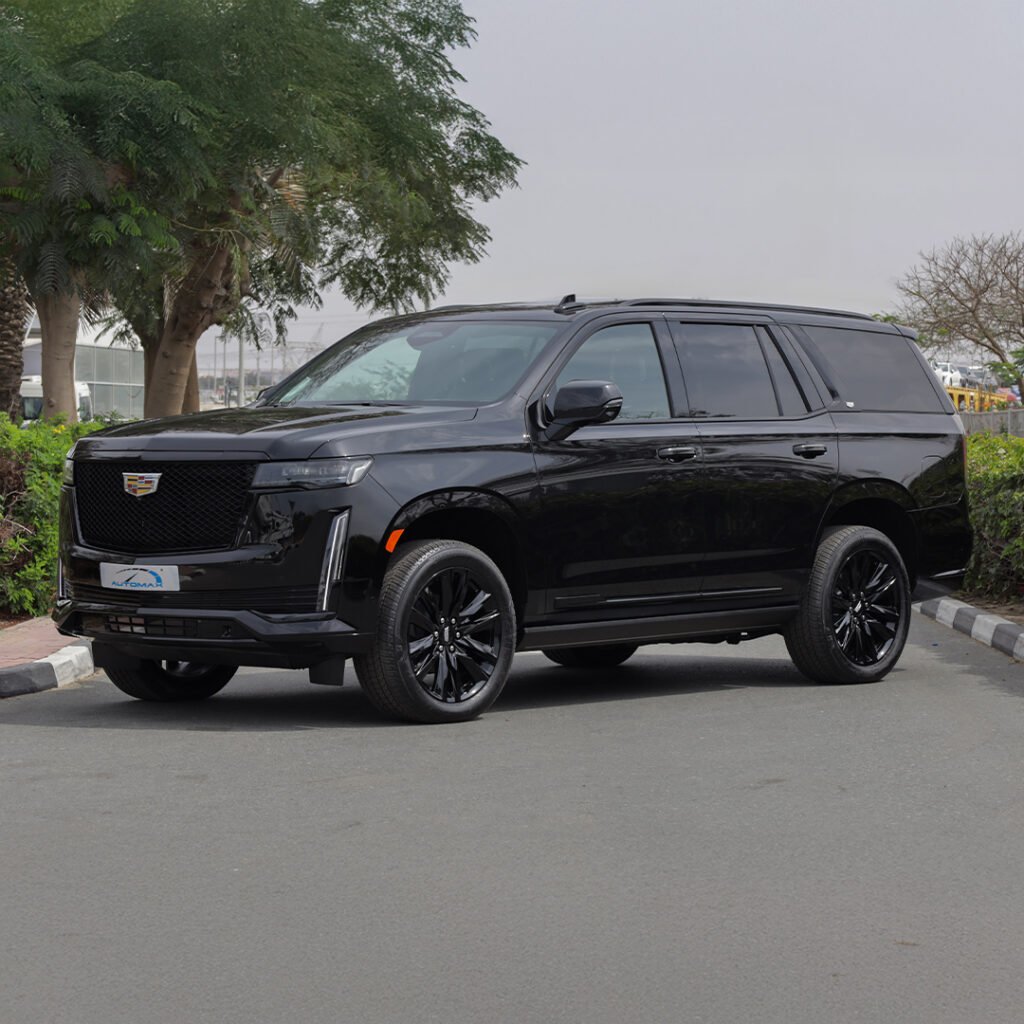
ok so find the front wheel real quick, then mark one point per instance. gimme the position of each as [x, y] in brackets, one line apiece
[171, 680]
[855, 615]
[446, 632]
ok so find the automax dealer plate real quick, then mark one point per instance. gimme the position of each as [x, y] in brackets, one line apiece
[139, 577]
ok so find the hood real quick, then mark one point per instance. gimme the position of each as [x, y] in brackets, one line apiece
[274, 432]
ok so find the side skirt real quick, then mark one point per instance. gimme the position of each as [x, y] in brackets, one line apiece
[663, 628]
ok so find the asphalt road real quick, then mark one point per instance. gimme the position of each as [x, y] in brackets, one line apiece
[697, 836]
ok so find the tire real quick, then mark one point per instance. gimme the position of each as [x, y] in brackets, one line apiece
[171, 680]
[420, 668]
[608, 656]
[853, 621]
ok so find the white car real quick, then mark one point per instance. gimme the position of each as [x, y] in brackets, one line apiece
[949, 374]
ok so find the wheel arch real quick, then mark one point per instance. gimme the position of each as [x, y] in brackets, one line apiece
[884, 506]
[480, 518]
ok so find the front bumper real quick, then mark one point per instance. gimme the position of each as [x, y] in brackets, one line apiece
[214, 637]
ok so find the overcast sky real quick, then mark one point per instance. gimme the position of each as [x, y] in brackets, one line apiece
[796, 151]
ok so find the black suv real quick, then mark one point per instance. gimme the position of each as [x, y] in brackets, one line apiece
[438, 491]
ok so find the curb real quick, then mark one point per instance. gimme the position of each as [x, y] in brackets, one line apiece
[992, 630]
[66, 666]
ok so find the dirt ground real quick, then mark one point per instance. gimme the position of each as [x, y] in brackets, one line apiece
[1012, 610]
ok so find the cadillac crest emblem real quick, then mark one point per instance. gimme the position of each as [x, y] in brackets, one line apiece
[140, 484]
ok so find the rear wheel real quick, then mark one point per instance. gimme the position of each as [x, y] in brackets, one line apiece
[171, 680]
[607, 656]
[446, 632]
[855, 614]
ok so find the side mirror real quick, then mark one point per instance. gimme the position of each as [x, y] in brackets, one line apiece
[581, 402]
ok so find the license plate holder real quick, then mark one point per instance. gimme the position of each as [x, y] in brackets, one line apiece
[139, 579]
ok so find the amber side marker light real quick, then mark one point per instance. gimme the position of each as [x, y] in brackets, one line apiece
[396, 536]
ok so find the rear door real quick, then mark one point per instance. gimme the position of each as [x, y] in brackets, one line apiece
[770, 457]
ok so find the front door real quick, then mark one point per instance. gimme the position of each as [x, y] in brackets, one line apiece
[621, 526]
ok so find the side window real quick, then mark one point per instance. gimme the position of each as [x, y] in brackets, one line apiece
[876, 371]
[626, 355]
[726, 373]
[791, 398]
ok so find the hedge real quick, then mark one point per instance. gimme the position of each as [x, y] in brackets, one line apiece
[995, 489]
[31, 460]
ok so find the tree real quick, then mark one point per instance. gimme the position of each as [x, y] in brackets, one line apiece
[79, 149]
[339, 153]
[970, 290]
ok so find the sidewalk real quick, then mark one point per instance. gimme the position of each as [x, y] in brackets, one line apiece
[34, 657]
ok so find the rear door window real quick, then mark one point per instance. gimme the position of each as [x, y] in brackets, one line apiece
[725, 371]
[875, 371]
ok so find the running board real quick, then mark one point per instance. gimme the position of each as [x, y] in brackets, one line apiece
[655, 629]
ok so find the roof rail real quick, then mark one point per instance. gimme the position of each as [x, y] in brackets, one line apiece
[715, 303]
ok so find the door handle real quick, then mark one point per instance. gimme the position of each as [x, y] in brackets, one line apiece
[809, 451]
[677, 453]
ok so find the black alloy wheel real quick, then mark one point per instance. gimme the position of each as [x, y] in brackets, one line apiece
[446, 633]
[866, 607]
[854, 617]
[454, 635]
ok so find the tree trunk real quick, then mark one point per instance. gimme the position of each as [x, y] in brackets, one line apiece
[15, 310]
[58, 319]
[191, 401]
[206, 294]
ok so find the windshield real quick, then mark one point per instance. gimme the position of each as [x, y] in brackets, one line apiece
[471, 362]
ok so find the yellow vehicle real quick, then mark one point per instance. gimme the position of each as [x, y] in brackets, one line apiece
[975, 400]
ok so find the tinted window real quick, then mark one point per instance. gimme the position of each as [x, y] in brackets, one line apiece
[435, 361]
[876, 371]
[626, 355]
[726, 373]
[790, 397]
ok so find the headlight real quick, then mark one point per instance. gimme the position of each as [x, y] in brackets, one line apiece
[68, 476]
[313, 473]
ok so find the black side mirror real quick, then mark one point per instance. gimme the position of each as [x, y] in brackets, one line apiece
[581, 402]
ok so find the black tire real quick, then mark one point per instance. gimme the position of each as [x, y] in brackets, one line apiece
[171, 680]
[446, 633]
[855, 614]
[607, 656]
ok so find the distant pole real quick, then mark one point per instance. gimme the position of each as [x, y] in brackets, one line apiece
[257, 389]
[241, 370]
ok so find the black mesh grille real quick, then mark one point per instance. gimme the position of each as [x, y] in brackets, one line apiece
[279, 600]
[197, 506]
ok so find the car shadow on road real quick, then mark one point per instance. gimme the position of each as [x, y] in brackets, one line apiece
[539, 683]
[272, 701]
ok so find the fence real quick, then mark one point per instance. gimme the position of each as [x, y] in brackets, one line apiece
[1006, 421]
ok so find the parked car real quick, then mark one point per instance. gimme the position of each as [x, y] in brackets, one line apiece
[438, 491]
[948, 374]
[32, 399]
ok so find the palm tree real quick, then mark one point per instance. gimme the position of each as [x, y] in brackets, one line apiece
[15, 311]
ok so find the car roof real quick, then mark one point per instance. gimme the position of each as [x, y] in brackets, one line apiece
[569, 309]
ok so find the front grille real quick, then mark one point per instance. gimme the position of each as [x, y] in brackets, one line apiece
[273, 600]
[197, 506]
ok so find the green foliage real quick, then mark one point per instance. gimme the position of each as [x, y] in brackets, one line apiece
[31, 461]
[995, 487]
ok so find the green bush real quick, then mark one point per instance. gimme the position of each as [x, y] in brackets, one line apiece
[31, 461]
[995, 488]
